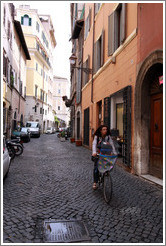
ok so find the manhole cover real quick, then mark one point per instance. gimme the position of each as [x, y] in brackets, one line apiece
[65, 231]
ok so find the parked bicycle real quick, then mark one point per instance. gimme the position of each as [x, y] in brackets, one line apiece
[105, 164]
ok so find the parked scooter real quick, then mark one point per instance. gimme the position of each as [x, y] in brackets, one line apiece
[14, 149]
[17, 140]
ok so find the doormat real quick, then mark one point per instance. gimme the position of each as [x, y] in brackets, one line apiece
[65, 231]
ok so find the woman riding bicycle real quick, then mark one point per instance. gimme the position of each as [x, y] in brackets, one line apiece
[101, 135]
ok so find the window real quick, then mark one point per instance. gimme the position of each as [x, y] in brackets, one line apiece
[59, 91]
[4, 16]
[99, 53]
[87, 24]
[86, 75]
[26, 21]
[58, 107]
[8, 30]
[97, 7]
[24, 91]
[41, 71]
[36, 67]
[37, 27]
[37, 46]
[20, 87]
[41, 110]
[45, 112]
[41, 94]
[116, 28]
[36, 90]
[5, 64]
[46, 98]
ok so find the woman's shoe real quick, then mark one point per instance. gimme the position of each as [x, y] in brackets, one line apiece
[94, 186]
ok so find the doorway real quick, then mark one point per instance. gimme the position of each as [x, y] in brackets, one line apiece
[156, 136]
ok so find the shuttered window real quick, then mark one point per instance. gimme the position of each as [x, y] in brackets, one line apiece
[86, 75]
[87, 24]
[78, 91]
[116, 28]
[26, 21]
[99, 53]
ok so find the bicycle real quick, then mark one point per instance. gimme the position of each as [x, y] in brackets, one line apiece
[105, 164]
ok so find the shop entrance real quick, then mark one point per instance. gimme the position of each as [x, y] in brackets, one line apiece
[156, 135]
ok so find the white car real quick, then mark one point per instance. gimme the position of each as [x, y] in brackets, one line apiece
[6, 159]
[49, 130]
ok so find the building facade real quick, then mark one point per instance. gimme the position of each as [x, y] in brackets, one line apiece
[123, 45]
[15, 56]
[39, 35]
[60, 89]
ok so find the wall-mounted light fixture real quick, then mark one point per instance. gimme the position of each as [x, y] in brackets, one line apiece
[73, 59]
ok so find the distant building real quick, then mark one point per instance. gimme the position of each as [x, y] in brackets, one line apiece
[39, 35]
[60, 89]
[15, 56]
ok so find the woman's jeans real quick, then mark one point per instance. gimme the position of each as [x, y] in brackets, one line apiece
[95, 172]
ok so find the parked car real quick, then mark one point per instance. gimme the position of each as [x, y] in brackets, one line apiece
[34, 128]
[49, 130]
[23, 133]
[6, 159]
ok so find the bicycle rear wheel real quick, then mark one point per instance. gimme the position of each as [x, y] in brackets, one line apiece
[107, 187]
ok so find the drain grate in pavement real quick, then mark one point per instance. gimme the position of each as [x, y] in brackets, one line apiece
[65, 231]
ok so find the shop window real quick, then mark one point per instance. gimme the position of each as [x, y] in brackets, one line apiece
[26, 20]
[116, 28]
[119, 118]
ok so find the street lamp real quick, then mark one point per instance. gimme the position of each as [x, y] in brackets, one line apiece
[73, 59]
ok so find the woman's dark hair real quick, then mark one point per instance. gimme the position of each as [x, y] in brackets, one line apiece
[98, 131]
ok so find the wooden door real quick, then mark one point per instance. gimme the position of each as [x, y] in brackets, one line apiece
[156, 136]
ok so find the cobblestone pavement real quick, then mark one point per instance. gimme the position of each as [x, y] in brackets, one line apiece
[53, 179]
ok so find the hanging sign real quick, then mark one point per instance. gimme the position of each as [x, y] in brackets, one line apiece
[161, 80]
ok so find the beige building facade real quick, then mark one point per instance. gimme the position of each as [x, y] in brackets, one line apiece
[15, 56]
[39, 35]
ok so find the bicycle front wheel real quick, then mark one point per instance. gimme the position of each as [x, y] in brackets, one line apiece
[107, 187]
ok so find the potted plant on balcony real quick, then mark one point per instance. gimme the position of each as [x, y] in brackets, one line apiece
[62, 136]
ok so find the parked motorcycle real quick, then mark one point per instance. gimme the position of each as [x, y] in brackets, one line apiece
[14, 149]
[17, 140]
[11, 150]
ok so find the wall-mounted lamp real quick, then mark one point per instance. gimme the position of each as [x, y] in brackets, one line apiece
[73, 59]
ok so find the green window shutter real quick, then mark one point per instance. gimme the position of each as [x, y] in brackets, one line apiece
[22, 20]
[123, 23]
[30, 21]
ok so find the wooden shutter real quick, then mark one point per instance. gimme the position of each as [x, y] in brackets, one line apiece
[123, 23]
[90, 14]
[22, 20]
[95, 57]
[111, 34]
[30, 21]
[102, 48]
[107, 111]
[78, 97]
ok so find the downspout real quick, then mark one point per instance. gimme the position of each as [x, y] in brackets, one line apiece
[93, 52]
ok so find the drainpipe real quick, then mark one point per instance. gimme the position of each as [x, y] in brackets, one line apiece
[93, 53]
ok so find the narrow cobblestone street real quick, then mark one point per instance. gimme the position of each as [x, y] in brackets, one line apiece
[53, 179]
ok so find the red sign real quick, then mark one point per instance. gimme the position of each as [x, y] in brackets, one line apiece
[161, 80]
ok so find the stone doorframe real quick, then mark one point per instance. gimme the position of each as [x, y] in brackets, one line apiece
[141, 134]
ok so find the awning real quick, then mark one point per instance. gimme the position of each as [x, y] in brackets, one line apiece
[78, 26]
